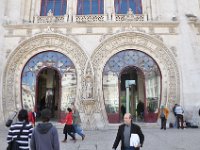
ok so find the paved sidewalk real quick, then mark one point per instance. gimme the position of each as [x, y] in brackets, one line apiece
[155, 139]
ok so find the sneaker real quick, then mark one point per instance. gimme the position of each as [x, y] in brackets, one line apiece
[64, 141]
[83, 137]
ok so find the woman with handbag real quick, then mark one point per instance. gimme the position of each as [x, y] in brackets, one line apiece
[69, 129]
[20, 132]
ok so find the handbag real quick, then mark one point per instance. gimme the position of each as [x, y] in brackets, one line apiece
[14, 145]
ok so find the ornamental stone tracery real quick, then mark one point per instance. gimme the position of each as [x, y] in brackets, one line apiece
[149, 45]
[26, 50]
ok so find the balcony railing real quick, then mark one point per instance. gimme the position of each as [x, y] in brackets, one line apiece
[50, 18]
[121, 18]
[89, 18]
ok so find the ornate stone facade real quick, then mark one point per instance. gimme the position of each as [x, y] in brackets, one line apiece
[170, 37]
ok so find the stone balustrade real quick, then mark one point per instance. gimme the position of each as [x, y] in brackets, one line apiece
[87, 18]
[49, 19]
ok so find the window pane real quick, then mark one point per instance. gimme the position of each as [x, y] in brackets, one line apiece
[58, 7]
[95, 9]
[86, 7]
[122, 6]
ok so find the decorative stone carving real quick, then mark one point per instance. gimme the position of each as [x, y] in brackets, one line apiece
[8, 52]
[191, 17]
[174, 50]
[50, 18]
[149, 45]
[29, 48]
[89, 84]
[88, 87]
[89, 109]
[89, 18]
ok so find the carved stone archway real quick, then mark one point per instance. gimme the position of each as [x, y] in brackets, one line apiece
[12, 74]
[147, 44]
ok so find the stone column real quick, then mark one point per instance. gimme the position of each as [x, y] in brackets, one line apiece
[32, 12]
[69, 10]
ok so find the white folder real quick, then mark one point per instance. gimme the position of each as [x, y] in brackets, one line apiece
[134, 140]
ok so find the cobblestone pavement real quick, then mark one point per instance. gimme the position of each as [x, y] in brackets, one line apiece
[155, 139]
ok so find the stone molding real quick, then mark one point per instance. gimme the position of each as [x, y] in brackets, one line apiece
[147, 24]
[147, 44]
[11, 98]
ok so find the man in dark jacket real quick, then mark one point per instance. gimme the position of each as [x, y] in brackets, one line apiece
[45, 135]
[124, 134]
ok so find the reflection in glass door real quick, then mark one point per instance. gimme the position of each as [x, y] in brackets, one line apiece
[48, 95]
[136, 93]
[52, 64]
[145, 96]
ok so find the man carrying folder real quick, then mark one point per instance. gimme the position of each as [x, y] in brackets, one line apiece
[129, 134]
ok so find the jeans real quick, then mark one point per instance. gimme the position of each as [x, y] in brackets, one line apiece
[163, 123]
[78, 129]
[179, 119]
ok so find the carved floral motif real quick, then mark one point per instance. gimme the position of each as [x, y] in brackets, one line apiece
[29, 48]
[149, 45]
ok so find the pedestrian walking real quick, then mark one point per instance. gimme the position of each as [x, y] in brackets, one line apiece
[164, 112]
[32, 117]
[21, 131]
[173, 109]
[45, 135]
[179, 113]
[77, 121]
[125, 133]
[69, 128]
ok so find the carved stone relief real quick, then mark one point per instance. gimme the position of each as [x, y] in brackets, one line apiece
[147, 44]
[29, 48]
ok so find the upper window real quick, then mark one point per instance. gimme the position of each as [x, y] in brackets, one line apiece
[58, 7]
[122, 6]
[86, 7]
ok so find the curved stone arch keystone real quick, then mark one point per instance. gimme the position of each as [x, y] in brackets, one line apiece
[25, 51]
[144, 43]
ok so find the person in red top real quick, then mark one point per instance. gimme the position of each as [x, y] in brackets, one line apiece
[32, 118]
[69, 129]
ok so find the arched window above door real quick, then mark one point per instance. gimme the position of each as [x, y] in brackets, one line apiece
[122, 6]
[57, 7]
[86, 7]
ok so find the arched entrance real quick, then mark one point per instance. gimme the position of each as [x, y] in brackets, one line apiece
[48, 91]
[49, 81]
[146, 92]
[136, 92]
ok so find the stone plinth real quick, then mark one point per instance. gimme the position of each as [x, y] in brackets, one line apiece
[89, 106]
